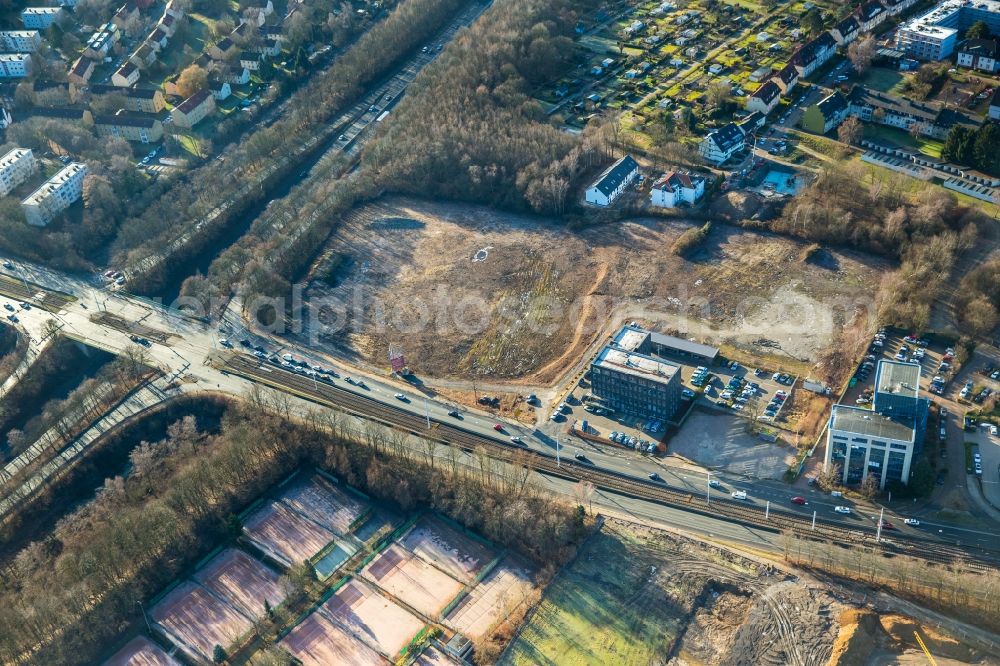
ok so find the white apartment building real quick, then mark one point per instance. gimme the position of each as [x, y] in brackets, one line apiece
[20, 41]
[15, 168]
[14, 65]
[40, 18]
[55, 195]
[934, 34]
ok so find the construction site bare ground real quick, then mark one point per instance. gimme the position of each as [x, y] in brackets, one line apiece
[466, 290]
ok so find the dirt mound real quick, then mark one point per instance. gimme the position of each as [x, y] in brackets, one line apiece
[902, 630]
[867, 639]
[735, 206]
[860, 635]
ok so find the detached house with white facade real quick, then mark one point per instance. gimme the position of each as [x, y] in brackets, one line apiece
[675, 188]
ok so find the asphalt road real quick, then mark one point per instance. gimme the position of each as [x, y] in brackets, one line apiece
[193, 344]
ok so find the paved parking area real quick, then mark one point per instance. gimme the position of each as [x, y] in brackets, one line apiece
[721, 441]
[989, 448]
[605, 425]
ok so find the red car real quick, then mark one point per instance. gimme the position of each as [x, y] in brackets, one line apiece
[798, 500]
[498, 427]
[886, 525]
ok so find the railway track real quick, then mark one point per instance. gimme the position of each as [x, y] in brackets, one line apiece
[47, 299]
[452, 434]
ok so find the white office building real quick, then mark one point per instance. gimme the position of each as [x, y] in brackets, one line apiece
[15, 168]
[863, 442]
[55, 195]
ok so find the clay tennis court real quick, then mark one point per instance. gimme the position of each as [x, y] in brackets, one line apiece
[285, 535]
[382, 624]
[243, 582]
[456, 554]
[318, 642]
[503, 589]
[140, 651]
[316, 498]
[411, 580]
[197, 621]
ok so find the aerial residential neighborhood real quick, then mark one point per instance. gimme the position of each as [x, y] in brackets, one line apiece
[519, 332]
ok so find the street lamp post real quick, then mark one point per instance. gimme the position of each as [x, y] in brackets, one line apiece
[708, 487]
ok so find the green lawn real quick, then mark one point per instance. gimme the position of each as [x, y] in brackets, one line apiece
[886, 80]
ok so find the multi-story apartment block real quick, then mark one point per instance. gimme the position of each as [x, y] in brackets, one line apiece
[15, 168]
[40, 18]
[192, 110]
[928, 118]
[55, 195]
[100, 43]
[934, 34]
[129, 126]
[721, 144]
[20, 41]
[15, 65]
[138, 100]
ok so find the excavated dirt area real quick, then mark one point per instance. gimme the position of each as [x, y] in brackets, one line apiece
[869, 639]
[461, 289]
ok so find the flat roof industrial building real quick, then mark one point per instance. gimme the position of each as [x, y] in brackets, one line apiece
[634, 338]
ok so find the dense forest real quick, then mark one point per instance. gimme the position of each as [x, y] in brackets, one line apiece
[65, 598]
[469, 129]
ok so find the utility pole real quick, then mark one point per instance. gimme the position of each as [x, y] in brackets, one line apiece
[427, 413]
[708, 487]
[814, 521]
[558, 463]
[767, 510]
[878, 532]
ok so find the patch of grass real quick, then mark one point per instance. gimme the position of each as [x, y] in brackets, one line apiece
[601, 610]
[968, 456]
[929, 147]
[885, 80]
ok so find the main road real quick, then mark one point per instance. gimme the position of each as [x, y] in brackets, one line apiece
[197, 353]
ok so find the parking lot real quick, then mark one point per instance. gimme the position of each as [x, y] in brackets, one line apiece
[737, 389]
[888, 347]
[721, 441]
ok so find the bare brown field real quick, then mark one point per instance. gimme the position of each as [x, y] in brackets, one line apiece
[465, 290]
